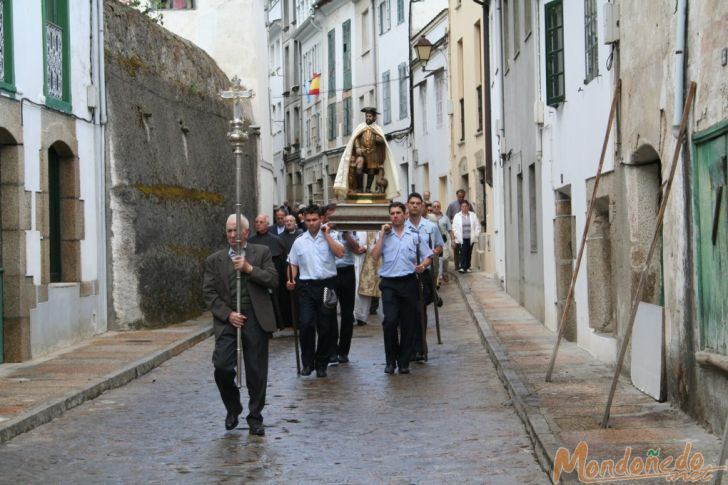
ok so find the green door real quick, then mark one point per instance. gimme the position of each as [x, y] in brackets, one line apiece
[711, 209]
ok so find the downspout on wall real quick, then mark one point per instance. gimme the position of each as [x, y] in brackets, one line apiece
[100, 118]
[679, 77]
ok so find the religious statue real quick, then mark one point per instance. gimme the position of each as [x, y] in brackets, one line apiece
[367, 155]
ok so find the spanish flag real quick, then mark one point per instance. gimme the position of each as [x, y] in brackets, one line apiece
[315, 85]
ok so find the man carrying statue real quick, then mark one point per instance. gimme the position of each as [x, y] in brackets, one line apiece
[367, 154]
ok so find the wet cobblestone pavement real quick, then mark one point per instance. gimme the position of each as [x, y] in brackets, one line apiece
[449, 421]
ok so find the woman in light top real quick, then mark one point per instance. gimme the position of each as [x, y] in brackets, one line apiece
[466, 228]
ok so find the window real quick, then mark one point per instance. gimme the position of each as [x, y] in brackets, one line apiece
[365, 31]
[7, 77]
[527, 19]
[402, 68]
[423, 106]
[57, 86]
[439, 95]
[331, 115]
[400, 11]
[479, 97]
[591, 61]
[332, 63]
[384, 17]
[462, 119]
[347, 116]
[177, 4]
[387, 98]
[554, 19]
[346, 52]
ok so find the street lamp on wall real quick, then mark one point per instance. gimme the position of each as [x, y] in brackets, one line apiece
[423, 47]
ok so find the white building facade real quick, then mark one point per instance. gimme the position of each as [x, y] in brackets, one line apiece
[431, 152]
[52, 162]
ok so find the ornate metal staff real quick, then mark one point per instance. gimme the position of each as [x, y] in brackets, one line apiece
[238, 136]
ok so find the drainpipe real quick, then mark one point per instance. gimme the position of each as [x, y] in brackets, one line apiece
[679, 81]
[101, 322]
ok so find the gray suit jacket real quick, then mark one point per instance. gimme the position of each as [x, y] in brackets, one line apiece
[216, 289]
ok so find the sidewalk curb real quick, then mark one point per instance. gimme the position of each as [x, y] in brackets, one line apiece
[48, 411]
[545, 443]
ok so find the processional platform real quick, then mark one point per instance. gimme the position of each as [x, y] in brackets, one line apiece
[361, 212]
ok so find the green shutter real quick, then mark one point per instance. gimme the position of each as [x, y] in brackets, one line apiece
[54, 214]
[346, 33]
[332, 63]
[710, 189]
[7, 80]
[554, 20]
[56, 29]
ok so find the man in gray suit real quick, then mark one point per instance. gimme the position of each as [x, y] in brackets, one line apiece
[256, 320]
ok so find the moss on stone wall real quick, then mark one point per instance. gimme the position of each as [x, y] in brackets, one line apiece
[177, 192]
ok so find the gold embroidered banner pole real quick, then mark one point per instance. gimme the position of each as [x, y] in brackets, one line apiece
[655, 238]
[570, 296]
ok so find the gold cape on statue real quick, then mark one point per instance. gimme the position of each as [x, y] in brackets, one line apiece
[341, 184]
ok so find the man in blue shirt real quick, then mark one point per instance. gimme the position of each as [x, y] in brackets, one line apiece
[399, 247]
[313, 258]
[430, 232]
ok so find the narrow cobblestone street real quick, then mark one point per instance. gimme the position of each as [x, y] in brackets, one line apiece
[449, 421]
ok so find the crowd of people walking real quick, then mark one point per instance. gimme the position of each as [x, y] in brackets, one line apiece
[301, 272]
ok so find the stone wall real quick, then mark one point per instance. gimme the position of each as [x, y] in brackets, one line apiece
[170, 170]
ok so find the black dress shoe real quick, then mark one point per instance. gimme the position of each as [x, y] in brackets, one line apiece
[389, 369]
[361, 322]
[257, 430]
[321, 372]
[306, 371]
[418, 357]
[404, 370]
[231, 420]
[343, 359]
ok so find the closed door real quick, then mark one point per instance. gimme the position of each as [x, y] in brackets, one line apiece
[711, 201]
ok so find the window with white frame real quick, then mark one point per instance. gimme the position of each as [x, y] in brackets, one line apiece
[385, 17]
[400, 11]
[591, 46]
[402, 69]
[440, 90]
[176, 4]
[364, 31]
[386, 98]
[423, 106]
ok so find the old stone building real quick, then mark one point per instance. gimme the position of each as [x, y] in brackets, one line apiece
[170, 170]
[51, 176]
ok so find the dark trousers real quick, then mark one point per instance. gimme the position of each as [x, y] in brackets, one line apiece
[465, 249]
[399, 301]
[417, 347]
[312, 321]
[345, 292]
[255, 360]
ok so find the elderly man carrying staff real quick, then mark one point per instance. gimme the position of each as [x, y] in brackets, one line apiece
[255, 320]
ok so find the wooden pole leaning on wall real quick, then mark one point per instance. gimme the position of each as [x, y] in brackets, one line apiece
[655, 238]
[590, 211]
